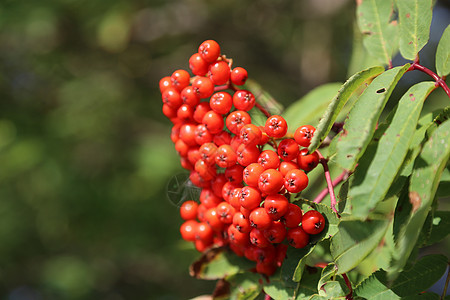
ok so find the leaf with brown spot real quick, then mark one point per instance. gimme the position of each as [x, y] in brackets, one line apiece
[414, 199]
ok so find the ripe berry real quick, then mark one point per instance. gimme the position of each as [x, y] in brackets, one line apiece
[288, 149]
[213, 220]
[203, 86]
[250, 134]
[217, 184]
[243, 100]
[171, 97]
[258, 239]
[234, 173]
[180, 79]
[165, 83]
[187, 134]
[276, 126]
[297, 237]
[169, 112]
[202, 246]
[304, 134]
[266, 269]
[270, 181]
[188, 210]
[265, 255]
[200, 110]
[219, 72]
[251, 174]
[247, 154]
[225, 156]
[276, 233]
[185, 113]
[236, 120]
[293, 216]
[225, 212]
[313, 222]
[209, 50]
[276, 206]
[269, 159]
[259, 218]
[285, 166]
[221, 102]
[209, 199]
[198, 65]
[295, 181]
[238, 76]
[250, 197]
[213, 121]
[234, 199]
[188, 230]
[237, 237]
[206, 171]
[204, 232]
[307, 161]
[189, 96]
[207, 153]
[241, 223]
[228, 190]
[202, 134]
[222, 138]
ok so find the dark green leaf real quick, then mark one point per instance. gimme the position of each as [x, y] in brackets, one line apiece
[310, 107]
[372, 183]
[423, 296]
[354, 241]
[440, 224]
[375, 287]
[245, 286]
[380, 34]
[308, 284]
[443, 54]
[339, 100]
[363, 117]
[414, 25]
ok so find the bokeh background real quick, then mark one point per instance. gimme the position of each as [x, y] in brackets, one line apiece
[85, 153]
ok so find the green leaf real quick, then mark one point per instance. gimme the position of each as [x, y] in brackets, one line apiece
[440, 225]
[372, 183]
[309, 108]
[363, 117]
[414, 25]
[333, 289]
[423, 296]
[443, 54]
[380, 34]
[375, 288]
[218, 263]
[423, 185]
[308, 284]
[339, 100]
[354, 241]
[303, 253]
[245, 286]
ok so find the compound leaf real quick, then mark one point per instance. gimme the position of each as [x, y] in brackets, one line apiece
[339, 100]
[363, 117]
[371, 184]
[414, 25]
[443, 54]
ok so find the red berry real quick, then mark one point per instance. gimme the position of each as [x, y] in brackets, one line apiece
[265, 255]
[313, 222]
[266, 269]
[269, 159]
[222, 138]
[171, 97]
[198, 65]
[206, 171]
[188, 230]
[243, 100]
[202, 246]
[209, 50]
[225, 212]
[169, 112]
[258, 239]
[221, 102]
[234, 173]
[225, 156]
[251, 174]
[237, 237]
[213, 219]
[276, 126]
[204, 232]
[250, 134]
[247, 154]
[236, 120]
[259, 218]
[228, 190]
[219, 72]
[165, 83]
[200, 110]
[234, 199]
[202, 134]
[203, 86]
[250, 197]
[304, 134]
[213, 121]
[307, 161]
[276, 206]
[295, 181]
[187, 134]
[189, 96]
[276, 233]
[188, 210]
[293, 216]
[288, 149]
[285, 166]
[241, 223]
[180, 79]
[270, 181]
[208, 153]
[185, 113]
[209, 199]
[297, 237]
[217, 184]
[239, 76]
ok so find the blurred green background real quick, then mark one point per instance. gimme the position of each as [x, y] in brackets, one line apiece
[85, 153]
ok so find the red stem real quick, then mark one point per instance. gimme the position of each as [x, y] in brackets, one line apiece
[323, 162]
[267, 297]
[349, 285]
[335, 182]
[439, 81]
[262, 109]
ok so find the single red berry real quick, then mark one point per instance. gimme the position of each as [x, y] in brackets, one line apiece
[237, 237]
[202, 246]
[217, 184]
[293, 216]
[221, 102]
[209, 199]
[219, 72]
[250, 134]
[236, 120]
[250, 252]
[198, 65]
[193, 155]
[258, 239]
[200, 110]
[187, 134]
[205, 170]
[276, 206]
[208, 153]
[213, 121]
[188, 230]
[225, 212]
[189, 96]
[276, 126]
[169, 112]
[180, 79]
[185, 113]
[225, 156]
[171, 97]
[259, 218]
[297, 237]
[307, 162]
[209, 50]
[181, 147]
[186, 164]
[204, 232]
[244, 100]
[238, 76]
[250, 198]
[188, 210]
[201, 210]
[265, 255]
[202, 134]
[266, 269]
[213, 219]
[304, 134]
[276, 233]
[247, 154]
[285, 166]
[165, 83]
[235, 199]
[222, 138]
[203, 86]
[251, 174]
[288, 149]
[234, 173]
[198, 180]
[228, 190]
[241, 223]
[313, 222]
[295, 181]
[269, 159]
[270, 181]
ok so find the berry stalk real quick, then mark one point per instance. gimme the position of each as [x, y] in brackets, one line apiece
[324, 163]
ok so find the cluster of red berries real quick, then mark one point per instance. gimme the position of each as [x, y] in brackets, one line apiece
[245, 188]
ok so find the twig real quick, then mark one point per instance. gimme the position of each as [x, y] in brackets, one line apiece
[323, 162]
[335, 182]
[349, 285]
[262, 109]
[439, 81]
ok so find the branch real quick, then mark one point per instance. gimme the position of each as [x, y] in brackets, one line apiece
[323, 162]
[439, 81]
[335, 182]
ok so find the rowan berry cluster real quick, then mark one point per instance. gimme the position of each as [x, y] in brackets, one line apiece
[245, 185]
